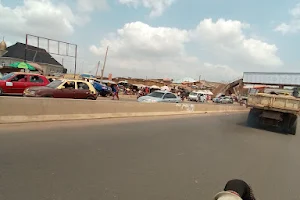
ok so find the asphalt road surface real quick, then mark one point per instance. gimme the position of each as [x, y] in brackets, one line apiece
[178, 158]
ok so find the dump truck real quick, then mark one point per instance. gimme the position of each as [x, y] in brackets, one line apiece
[280, 111]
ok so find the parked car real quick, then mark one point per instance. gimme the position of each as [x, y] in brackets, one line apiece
[218, 99]
[226, 99]
[75, 89]
[102, 89]
[17, 82]
[160, 96]
[193, 96]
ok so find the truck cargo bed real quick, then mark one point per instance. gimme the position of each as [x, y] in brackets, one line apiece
[279, 103]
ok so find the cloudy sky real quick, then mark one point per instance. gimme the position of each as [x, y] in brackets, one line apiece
[216, 39]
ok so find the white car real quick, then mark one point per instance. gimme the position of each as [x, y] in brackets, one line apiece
[160, 96]
[193, 96]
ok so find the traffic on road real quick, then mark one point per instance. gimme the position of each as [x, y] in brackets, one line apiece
[37, 85]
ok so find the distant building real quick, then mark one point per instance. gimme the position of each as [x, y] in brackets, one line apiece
[16, 53]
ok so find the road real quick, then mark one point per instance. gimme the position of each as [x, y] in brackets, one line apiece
[168, 158]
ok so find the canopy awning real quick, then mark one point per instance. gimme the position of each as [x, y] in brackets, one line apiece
[108, 81]
[208, 92]
[36, 66]
[139, 85]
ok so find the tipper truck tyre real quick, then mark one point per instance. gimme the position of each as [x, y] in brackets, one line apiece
[252, 120]
[289, 124]
[293, 125]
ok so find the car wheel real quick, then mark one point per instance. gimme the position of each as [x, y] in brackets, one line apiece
[293, 126]
[1, 92]
[48, 96]
[90, 98]
[253, 118]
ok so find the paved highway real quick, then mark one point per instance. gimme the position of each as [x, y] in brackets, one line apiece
[174, 158]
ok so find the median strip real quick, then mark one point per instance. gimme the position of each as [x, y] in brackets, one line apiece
[68, 117]
[22, 110]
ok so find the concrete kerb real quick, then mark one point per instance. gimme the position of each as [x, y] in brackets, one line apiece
[68, 117]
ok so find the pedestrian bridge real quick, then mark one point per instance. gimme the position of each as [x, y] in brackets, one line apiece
[272, 78]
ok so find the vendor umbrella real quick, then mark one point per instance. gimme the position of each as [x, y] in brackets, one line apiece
[22, 65]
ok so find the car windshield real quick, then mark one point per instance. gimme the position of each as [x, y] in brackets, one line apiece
[7, 76]
[193, 93]
[156, 94]
[54, 84]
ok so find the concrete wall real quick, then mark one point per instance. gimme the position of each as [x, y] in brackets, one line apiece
[12, 106]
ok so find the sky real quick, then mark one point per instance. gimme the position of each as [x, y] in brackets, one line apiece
[216, 39]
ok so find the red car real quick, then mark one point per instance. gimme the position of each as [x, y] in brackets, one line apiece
[17, 82]
[64, 88]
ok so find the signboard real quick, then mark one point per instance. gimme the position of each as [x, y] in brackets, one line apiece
[288, 79]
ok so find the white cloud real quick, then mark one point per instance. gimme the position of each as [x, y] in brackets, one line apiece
[91, 5]
[46, 18]
[140, 49]
[157, 7]
[227, 40]
[37, 17]
[143, 41]
[293, 26]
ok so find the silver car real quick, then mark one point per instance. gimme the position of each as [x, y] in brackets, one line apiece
[160, 96]
[193, 96]
[226, 100]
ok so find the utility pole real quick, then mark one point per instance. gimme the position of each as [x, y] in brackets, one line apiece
[97, 69]
[102, 71]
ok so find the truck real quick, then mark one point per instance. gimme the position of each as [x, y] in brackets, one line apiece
[279, 111]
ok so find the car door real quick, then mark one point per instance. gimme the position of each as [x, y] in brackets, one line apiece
[169, 97]
[35, 80]
[66, 91]
[82, 91]
[17, 84]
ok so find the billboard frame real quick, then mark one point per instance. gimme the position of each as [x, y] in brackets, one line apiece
[48, 48]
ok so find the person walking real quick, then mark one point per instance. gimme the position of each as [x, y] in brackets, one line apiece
[236, 190]
[115, 90]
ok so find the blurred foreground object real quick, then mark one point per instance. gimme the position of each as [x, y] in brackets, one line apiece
[236, 190]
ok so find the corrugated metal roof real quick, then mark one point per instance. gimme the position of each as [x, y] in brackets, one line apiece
[272, 78]
[33, 54]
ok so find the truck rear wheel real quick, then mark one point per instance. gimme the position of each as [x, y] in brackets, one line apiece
[252, 120]
[289, 125]
[293, 125]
